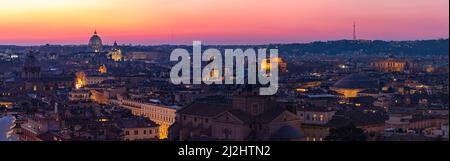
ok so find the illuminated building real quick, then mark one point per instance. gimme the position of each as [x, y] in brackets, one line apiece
[116, 54]
[80, 79]
[47, 85]
[138, 129]
[90, 80]
[102, 69]
[391, 65]
[309, 83]
[79, 95]
[405, 121]
[6, 104]
[314, 122]
[103, 95]
[317, 115]
[301, 89]
[282, 66]
[351, 85]
[99, 96]
[162, 115]
[429, 69]
[95, 43]
[213, 75]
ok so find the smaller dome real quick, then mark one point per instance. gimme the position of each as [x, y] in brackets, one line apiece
[115, 53]
[287, 133]
[115, 46]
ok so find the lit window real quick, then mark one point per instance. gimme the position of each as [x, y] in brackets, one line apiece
[321, 117]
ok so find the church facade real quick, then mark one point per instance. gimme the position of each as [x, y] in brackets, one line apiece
[247, 116]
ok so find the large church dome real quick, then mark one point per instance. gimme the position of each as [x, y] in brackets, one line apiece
[95, 42]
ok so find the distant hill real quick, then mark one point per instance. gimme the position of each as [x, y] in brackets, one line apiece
[418, 47]
[422, 47]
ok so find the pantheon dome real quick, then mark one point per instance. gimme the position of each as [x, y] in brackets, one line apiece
[95, 42]
[352, 84]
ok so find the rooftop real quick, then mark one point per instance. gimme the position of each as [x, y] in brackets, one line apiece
[356, 81]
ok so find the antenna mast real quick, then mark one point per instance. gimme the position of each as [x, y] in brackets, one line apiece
[354, 30]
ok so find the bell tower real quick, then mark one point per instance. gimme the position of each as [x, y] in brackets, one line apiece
[247, 99]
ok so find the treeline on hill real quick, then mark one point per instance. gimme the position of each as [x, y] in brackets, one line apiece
[422, 47]
[418, 47]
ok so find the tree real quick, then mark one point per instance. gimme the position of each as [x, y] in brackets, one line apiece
[346, 133]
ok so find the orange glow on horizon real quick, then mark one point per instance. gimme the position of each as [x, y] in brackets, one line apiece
[219, 21]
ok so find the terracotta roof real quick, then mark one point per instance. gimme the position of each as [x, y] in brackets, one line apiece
[204, 109]
[135, 123]
[241, 115]
[270, 115]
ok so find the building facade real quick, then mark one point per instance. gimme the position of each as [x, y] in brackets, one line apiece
[162, 115]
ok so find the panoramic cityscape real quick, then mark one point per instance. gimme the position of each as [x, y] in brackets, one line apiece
[344, 72]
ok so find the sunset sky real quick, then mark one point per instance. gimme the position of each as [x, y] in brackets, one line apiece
[25, 22]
